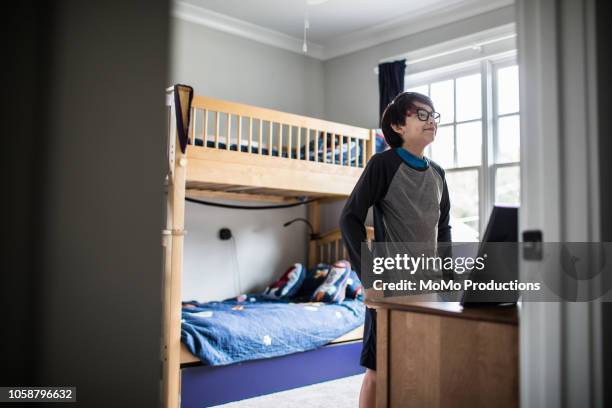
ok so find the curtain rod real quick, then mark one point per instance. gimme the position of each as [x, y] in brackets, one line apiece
[476, 46]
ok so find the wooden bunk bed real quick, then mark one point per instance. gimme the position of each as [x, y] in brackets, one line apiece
[220, 149]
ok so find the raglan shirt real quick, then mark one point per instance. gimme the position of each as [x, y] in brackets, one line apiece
[410, 199]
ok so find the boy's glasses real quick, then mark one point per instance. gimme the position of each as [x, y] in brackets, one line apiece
[424, 115]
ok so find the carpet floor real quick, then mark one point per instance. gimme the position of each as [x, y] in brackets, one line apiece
[342, 393]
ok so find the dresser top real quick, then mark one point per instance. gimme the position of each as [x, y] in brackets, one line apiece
[429, 304]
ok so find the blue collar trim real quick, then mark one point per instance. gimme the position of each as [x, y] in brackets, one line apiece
[412, 160]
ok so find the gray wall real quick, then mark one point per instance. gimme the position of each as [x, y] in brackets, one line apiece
[261, 249]
[225, 66]
[351, 87]
[237, 69]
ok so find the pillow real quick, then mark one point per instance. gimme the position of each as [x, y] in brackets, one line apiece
[333, 290]
[288, 284]
[314, 278]
[381, 143]
[354, 288]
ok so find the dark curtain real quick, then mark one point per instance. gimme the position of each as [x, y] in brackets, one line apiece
[390, 82]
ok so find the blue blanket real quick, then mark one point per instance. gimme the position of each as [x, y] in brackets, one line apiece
[230, 331]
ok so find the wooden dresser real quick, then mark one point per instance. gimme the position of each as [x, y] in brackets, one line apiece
[438, 354]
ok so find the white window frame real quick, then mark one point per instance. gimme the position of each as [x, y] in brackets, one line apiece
[487, 67]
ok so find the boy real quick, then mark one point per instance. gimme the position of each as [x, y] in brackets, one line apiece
[410, 199]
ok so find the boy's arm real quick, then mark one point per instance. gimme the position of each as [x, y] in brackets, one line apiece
[444, 228]
[371, 187]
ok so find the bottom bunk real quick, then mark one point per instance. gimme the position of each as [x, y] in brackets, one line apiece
[305, 328]
[261, 347]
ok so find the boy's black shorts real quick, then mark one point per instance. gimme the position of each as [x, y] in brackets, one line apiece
[368, 352]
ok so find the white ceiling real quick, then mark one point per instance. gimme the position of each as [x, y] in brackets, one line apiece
[336, 26]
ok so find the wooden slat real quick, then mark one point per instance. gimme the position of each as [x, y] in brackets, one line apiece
[298, 144]
[250, 134]
[193, 126]
[324, 147]
[289, 144]
[349, 151]
[270, 130]
[316, 145]
[216, 129]
[333, 149]
[280, 140]
[307, 150]
[371, 144]
[228, 139]
[234, 108]
[205, 128]
[260, 147]
[363, 153]
[341, 150]
[239, 143]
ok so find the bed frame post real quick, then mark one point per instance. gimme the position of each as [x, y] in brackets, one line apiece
[371, 149]
[314, 217]
[173, 264]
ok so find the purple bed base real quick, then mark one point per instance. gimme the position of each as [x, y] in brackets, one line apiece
[205, 386]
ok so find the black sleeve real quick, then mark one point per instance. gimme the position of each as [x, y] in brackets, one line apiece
[444, 229]
[370, 188]
[445, 249]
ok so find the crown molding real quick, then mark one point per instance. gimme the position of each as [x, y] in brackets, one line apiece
[479, 39]
[423, 19]
[241, 28]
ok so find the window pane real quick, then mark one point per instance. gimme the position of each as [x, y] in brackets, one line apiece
[507, 185]
[507, 90]
[442, 97]
[420, 89]
[469, 141]
[508, 139]
[464, 198]
[443, 147]
[469, 105]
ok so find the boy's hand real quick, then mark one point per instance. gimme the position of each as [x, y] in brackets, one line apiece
[372, 294]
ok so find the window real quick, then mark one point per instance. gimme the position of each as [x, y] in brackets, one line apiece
[478, 139]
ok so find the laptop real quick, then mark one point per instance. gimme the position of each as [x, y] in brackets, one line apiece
[501, 262]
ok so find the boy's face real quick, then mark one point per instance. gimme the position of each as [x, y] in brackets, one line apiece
[416, 132]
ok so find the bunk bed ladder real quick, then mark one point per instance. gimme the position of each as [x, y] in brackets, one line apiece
[173, 245]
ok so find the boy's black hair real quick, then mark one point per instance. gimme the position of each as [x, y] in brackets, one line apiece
[395, 114]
